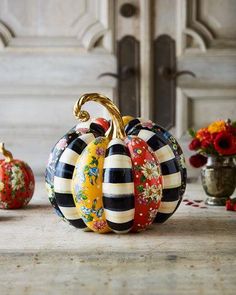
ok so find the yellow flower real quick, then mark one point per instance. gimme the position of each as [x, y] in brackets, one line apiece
[217, 126]
[1, 186]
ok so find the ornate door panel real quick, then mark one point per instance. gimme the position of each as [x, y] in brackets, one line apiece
[205, 35]
[51, 51]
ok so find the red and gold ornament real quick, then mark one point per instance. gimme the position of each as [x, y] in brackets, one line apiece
[16, 181]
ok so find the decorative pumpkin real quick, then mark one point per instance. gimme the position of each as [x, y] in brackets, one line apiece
[105, 182]
[170, 155]
[16, 181]
[60, 197]
[119, 181]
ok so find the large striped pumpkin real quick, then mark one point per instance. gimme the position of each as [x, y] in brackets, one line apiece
[109, 182]
[119, 182]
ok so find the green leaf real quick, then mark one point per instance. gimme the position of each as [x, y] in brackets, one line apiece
[89, 218]
[137, 167]
[140, 188]
[94, 161]
[233, 124]
[86, 167]
[94, 204]
[84, 197]
[192, 132]
[143, 178]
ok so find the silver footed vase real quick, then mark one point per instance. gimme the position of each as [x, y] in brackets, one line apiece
[218, 179]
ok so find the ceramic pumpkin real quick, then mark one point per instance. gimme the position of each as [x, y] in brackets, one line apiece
[16, 181]
[171, 158]
[117, 184]
[69, 146]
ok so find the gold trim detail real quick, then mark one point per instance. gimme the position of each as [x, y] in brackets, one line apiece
[117, 128]
[7, 154]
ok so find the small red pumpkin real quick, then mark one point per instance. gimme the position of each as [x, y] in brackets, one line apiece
[16, 181]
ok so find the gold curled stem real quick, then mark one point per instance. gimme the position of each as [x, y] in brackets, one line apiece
[117, 122]
[7, 155]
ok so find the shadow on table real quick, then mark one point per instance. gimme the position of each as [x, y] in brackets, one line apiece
[37, 207]
[192, 226]
[10, 218]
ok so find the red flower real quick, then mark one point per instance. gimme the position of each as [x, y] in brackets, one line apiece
[197, 160]
[194, 144]
[225, 143]
[230, 205]
[206, 143]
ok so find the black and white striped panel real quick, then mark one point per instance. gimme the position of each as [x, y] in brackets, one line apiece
[170, 172]
[63, 179]
[57, 151]
[118, 187]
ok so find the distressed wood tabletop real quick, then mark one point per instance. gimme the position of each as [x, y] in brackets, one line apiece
[194, 252]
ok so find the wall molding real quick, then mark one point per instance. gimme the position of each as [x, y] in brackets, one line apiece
[94, 25]
[186, 95]
[5, 36]
[201, 31]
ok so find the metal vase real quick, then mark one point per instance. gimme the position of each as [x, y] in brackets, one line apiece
[218, 179]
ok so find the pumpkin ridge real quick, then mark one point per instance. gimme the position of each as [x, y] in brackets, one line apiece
[118, 187]
[147, 182]
[87, 185]
[63, 178]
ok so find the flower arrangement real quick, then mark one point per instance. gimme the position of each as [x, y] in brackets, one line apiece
[217, 139]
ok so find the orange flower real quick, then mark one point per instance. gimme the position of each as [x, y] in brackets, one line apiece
[217, 126]
[202, 133]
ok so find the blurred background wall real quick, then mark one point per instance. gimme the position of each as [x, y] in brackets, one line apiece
[51, 51]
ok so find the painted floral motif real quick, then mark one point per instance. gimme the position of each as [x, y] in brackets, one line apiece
[99, 225]
[149, 193]
[89, 213]
[147, 124]
[152, 214]
[100, 151]
[150, 170]
[80, 194]
[182, 161]
[49, 190]
[87, 183]
[91, 170]
[81, 130]
[17, 178]
[16, 184]
[62, 143]
[98, 140]
[147, 182]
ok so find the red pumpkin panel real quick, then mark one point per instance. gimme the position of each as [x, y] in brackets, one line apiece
[147, 182]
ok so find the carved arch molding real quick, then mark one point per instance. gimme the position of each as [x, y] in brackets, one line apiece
[71, 23]
[211, 23]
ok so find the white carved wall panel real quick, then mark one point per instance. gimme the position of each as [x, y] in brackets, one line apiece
[56, 22]
[211, 23]
[219, 17]
[51, 52]
[206, 43]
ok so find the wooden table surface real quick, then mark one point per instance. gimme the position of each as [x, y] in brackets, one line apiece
[194, 252]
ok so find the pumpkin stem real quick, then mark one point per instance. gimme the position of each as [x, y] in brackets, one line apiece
[7, 155]
[82, 115]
